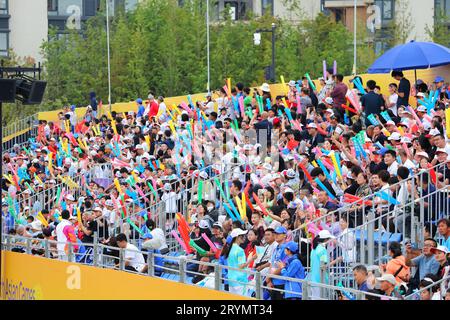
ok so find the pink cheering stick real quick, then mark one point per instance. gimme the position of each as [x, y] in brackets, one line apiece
[225, 87]
[141, 193]
[415, 116]
[213, 247]
[241, 105]
[185, 107]
[236, 136]
[299, 104]
[182, 244]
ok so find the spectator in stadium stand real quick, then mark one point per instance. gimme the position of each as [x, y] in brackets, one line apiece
[360, 275]
[432, 293]
[292, 268]
[396, 266]
[441, 255]
[404, 88]
[443, 237]
[319, 261]
[425, 263]
[388, 286]
[133, 258]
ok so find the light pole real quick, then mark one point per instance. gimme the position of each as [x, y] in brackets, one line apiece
[257, 41]
[109, 55]
[207, 44]
[354, 38]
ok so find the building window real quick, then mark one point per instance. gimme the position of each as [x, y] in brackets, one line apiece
[4, 43]
[388, 10]
[442, 7]
[3, 6]
[52, 7]
[267, 5]
[67, 8]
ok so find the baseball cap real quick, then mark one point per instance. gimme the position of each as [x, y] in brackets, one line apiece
[426, 126]
[441, 249]
[329, 100]
[330, 111]
[290, 173]
[311, 126]
[139, 100]
[438, 79]
[237, 232]
[325, 234]
[395, 136]
[139, 146]
[421, 109]
[167, 187]
[387, 277]
[280, 230]
[217, 225]
[382, 151]
[203, 175]
[434, 132]
[204, 224]
[70, 197]
[441, 150]
[292, 246]
[423, 154]
[390, 122]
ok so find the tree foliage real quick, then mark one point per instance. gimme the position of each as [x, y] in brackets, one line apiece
[161, 47]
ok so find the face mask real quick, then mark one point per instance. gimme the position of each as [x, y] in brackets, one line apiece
[210, 208]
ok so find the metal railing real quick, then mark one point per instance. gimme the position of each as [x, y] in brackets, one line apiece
[19, 131]
[174, 268]
[373, 228]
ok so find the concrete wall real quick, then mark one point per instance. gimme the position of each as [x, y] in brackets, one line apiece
[29, 27]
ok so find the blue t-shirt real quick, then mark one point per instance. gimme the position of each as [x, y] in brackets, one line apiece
[319, 256]
[278, 255]
[235, 259]
[141, 110]
[426, 265]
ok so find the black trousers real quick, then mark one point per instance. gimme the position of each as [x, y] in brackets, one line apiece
[275, 294]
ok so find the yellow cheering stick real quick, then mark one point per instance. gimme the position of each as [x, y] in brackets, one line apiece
[400, 130]
[175, 109]
[243, 207]
[67, 125]
[110, 116]
[43, 221]
[8, 178]
[172, 127]
[38, 179]
[98, 129]
[117, 184]
[113, 125]
[72, 184]
[79, 216]
[50, 164]
[284, 102]
[147, 140]
[238, 203]
[447, 122]
[229, 84]
[284, 84]
[136, 178]
[314, 163]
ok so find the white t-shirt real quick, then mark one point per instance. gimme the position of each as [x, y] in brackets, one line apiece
[393, 99]
[159, 234]
[135, 257]
[392, 169]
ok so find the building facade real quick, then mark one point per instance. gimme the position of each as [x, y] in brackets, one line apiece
[24, 24]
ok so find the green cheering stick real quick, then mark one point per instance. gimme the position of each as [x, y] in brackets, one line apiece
[310, 82]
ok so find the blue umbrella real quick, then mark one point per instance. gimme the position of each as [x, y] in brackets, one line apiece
[411, 56]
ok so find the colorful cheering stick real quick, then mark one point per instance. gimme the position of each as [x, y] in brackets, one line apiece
[243, 206]
[184, 235]
[432, 174]
[337, 163]
[299, 104]
[334, 67]
[29, 187]
[346, 107]
[229, 83]
[182, 222]
[297, 125]
[447, 122]
[268, 104]
[235, 211]
[182, 244]
[386, 116]
[239, 206]
[135, 227]
[259, 203]
[416, 117]
[199, 250]
[230, 213]
[325, 171]
[352, 199]
[210, 243]
[353, 100]
[385, 196]
[190, 101]
[348, 295]
[321, 185]
[219, 185]
[373, 120]
[307, 174]
[324, 67]
[329, 164]
[288, 113]
[200, 191]
[117, 184]
[359, 86]
[311, 84]
[283, 83]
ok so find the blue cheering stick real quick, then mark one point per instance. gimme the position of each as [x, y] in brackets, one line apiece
[151, 165]
[386, 116]
[373, 120]
[269, 104]
[321, 185]
[359, 86]
[383, 195]
[228, 210]
[346, 119]
[190, 101]
[325, 171]
[326, 152]
[288, 113]
[140, 168]
[280, 114]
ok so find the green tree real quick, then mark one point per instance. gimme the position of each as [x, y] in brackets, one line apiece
[440, 30]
